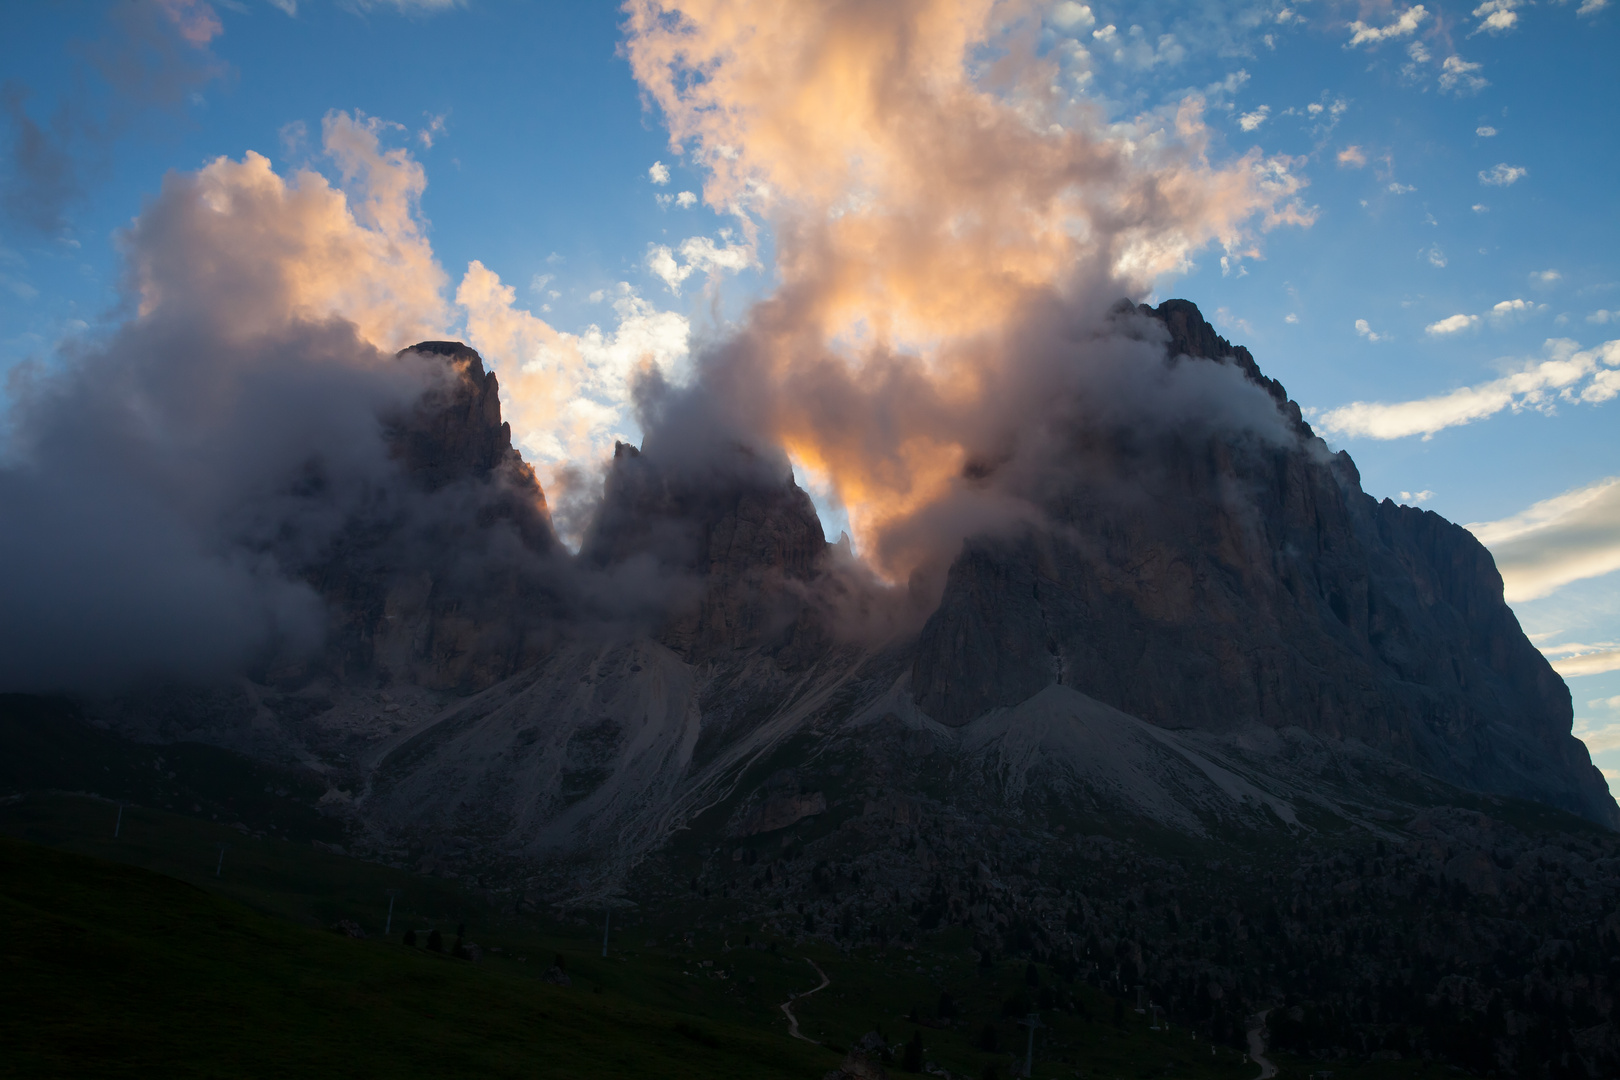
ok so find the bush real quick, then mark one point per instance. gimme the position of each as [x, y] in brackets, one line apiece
[435, 940]
[410, 937]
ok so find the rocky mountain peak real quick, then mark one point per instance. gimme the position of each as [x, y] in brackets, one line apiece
[455, 430]
[739, 529]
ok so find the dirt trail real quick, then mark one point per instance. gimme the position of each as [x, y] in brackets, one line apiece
[787, 1006]
[1257, 1048]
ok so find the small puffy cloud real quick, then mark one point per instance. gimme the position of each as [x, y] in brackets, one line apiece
[1504, 308]
[1502, 175]
[1364, 328]
[1485, 131]
[1106, 34]
[1497, 16]
[1603, 317]
[1352, 157]
[1290, 318]
[1546, 277]
[1480, 208]
[1569, 374]
[1405, 23]
[1397, 188]
[1459, 76]
[701, 255]
[1436, 257]
[1567, 538]
[686, 200]
[1251, 120]
[1071, 16]
[1591, 7]
[1454, 324]
[658, 172]
[1413, 498]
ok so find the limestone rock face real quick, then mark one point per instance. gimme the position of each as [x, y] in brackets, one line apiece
[740, 544]
[1216, 582]
[446, 583]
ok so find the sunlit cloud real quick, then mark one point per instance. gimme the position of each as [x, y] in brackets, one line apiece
[1570, 375]
[858, 137]
[1452, 324]
[1405, 23]
[1567, 538]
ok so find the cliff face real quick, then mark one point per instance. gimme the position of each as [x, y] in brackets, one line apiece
[448, 582]
[1217, 581]
[738, 544]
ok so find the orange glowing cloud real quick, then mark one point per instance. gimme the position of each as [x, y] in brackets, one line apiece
[927, 185]
[240, 248]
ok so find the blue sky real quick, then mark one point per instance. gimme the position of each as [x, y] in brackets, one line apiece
[1459, 276]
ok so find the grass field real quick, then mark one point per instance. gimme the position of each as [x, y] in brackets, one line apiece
[129, 957]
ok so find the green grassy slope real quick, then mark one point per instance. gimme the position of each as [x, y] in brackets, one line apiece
[114, 970]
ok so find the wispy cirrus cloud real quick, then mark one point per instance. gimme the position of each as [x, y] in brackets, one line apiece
[1568, 374]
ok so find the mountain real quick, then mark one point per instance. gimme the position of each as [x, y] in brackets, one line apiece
[1196, 604]
[1207, 724]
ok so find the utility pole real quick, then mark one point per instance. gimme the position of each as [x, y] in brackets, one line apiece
[606, 922]
[1032, 1021]
[389, 924]
[223, 848]
[118, 822]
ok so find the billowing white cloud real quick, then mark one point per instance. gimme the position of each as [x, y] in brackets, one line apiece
[1412, 498]
[686, 200]
[1452, 324]
[1352, 157]
[1603, 316]
[1502, 175]
[1251, 120]
[1459, 76]
[567, 396]
[1405, 23]
[1567, 538]
[1569, 375]
[1364, 328]
[1591, 7]
[1485, 131]
[658, 172]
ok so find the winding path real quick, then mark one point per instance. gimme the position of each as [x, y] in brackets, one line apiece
[1257, 1048]
[787, 1006]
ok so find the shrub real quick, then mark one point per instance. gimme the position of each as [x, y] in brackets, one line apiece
[435, 940]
